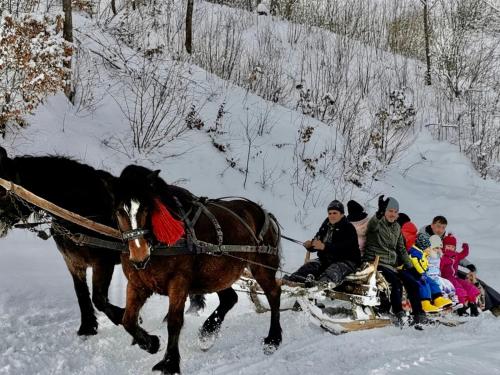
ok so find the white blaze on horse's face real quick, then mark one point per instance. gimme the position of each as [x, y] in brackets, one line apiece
[132, 215]
[139, 248]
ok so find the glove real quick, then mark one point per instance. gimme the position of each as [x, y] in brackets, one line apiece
[382, 205]
[471, 267]
[465, 246]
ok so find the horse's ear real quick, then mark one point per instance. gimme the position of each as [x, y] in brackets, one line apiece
[110, 184]
[153, 176]
[3, 154]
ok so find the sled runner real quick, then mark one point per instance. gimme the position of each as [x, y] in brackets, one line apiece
[350, 306]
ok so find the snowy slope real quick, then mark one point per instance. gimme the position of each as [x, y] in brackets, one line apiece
[39, 315]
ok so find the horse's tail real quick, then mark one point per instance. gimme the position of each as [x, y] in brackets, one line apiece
[277, 228]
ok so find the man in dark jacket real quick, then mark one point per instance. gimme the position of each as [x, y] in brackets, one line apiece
[337, 246]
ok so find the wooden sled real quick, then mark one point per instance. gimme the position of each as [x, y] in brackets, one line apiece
[346, 308]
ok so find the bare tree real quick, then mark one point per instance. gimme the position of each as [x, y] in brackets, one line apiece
[68, 36]
[189, 27]
[428, 80]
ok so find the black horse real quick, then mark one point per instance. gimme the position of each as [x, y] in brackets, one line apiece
[79, 188]
[147, 211]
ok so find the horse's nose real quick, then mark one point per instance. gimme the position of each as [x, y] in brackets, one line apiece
[140, 265]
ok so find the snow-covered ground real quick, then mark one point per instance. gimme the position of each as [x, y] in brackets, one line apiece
[39, 314]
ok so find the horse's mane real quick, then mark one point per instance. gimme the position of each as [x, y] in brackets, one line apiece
[45, 166]
[66, 182]
[140, 180]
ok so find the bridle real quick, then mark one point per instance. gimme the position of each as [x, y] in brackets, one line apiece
[135, 234]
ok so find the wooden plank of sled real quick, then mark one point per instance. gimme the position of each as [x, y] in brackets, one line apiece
[59, 211]
[360, 325]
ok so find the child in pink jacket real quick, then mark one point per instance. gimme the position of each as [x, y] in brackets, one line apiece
[467, 293]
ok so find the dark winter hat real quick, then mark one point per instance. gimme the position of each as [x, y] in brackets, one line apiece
[422, 241]
[337, 206]
[449, 240]
[392, 204]
[403, 218]
[355, 211]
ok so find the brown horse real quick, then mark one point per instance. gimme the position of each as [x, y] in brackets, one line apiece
[137, 195]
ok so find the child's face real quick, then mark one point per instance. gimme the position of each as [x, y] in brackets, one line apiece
[435, 252]
[471, 276]
[450, 247]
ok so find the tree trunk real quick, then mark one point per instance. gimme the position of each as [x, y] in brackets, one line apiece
[68, 36]
[274, 7]
[189, 27]
[428, 80]
[113, 7]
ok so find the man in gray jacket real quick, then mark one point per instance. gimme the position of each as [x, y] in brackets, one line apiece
[384, 238]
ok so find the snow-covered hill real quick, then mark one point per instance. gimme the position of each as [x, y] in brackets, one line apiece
[39, 314]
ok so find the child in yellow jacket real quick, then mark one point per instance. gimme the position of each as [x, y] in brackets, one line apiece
[430, 292]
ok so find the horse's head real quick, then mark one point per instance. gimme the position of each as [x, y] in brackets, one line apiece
[141, 214]
[9, 213]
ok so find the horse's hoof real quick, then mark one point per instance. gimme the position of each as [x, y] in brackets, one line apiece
[88, 329]
[194, 310]
[167, 367]
[207, 339]
[153, 345]
[271, 345]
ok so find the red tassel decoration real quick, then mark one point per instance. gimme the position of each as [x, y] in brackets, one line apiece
[165, 228]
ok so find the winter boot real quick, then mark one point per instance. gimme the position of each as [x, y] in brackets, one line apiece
[457, 306]
[462, 311]
[400, 320]
[419, 320]
[474, 311]
[442, 303]
[429, 308]
[310, 281]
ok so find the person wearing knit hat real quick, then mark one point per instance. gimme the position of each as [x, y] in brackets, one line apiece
[450, 242]
[355, 211]
[337, 246]
[336, 205]
[359, 218]
[403, 219]
[431, 295]
[467, 293]
[435, 241]
[434, 271]
[385, 240]
[422, 242]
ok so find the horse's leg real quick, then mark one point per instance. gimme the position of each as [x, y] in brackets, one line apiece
[211, 327]
[196, 303]
[102, 272]
[267, 281]
[88, 324]
[177, 293]
[136, 297]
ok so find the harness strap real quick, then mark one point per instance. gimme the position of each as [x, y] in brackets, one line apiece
[250, 230]
[179, 248]
[134, 234]
[213, 219]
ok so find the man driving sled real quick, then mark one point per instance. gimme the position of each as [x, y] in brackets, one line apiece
[338, 251]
